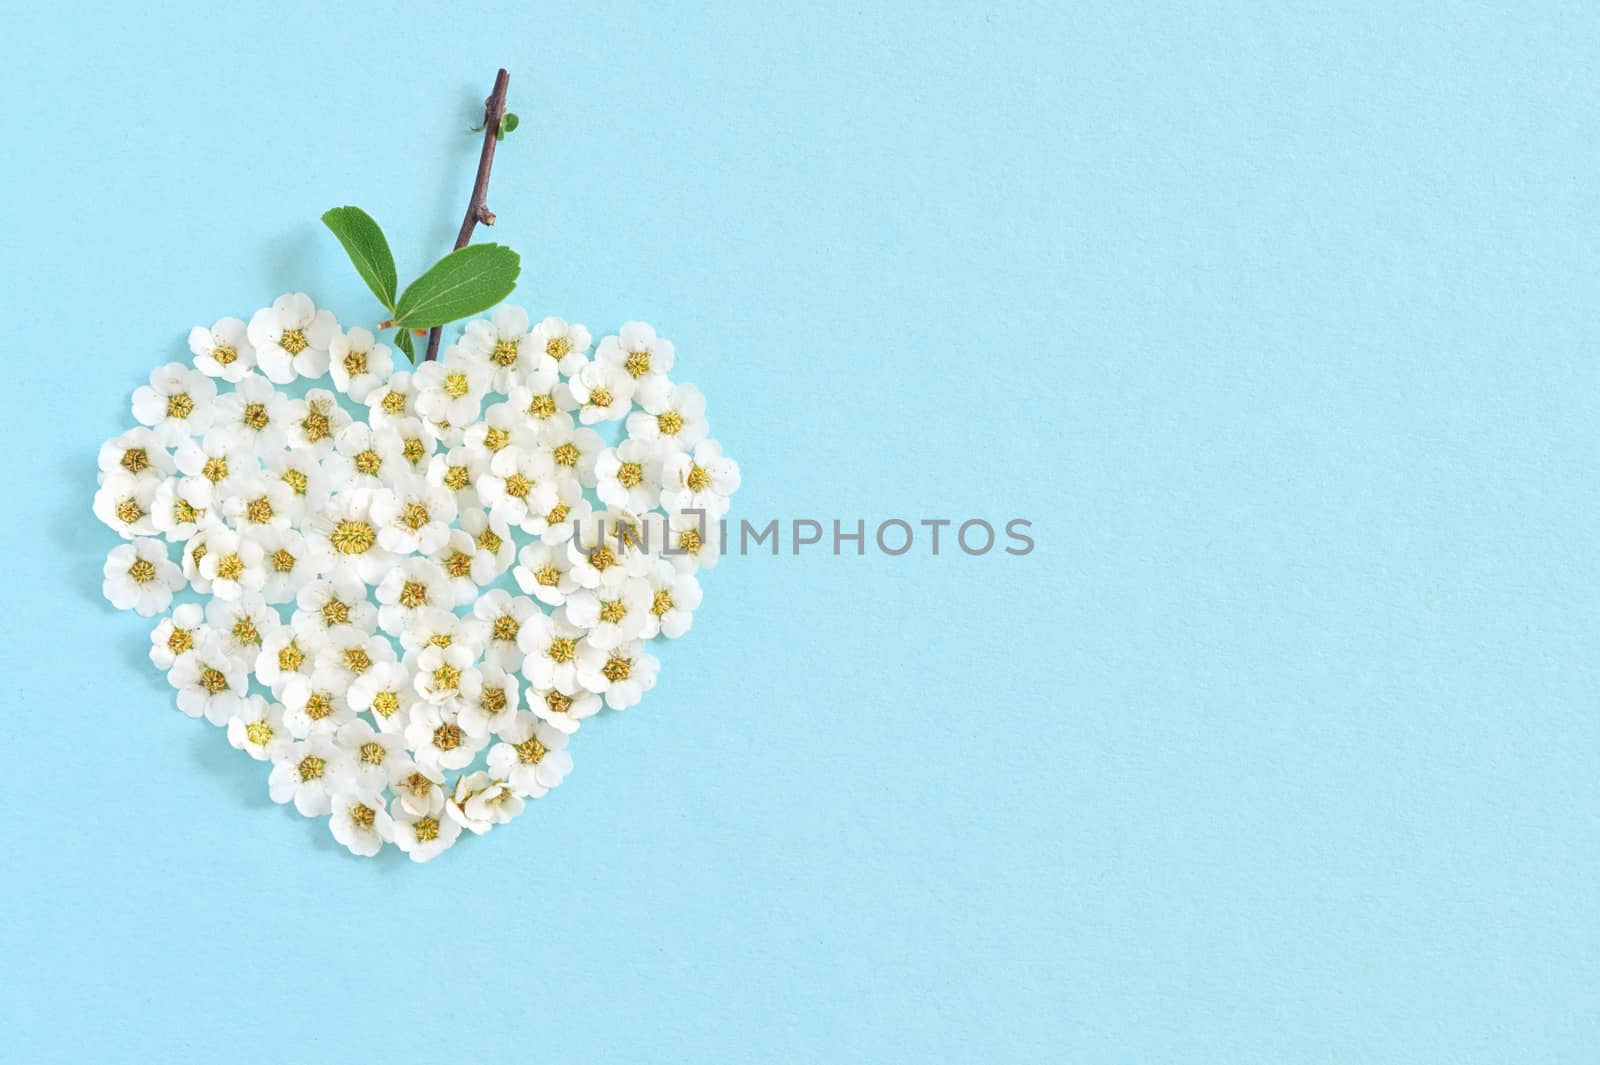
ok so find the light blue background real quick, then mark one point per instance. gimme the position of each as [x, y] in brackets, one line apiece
[1281, 327]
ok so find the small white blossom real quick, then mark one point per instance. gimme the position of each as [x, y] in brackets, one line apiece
[451, 388]
[545, 572]
[140, 577]
[701, 479]
[309, 773]
[233, 565]
[566, 345]
[257, 729]
[413, 584]
[358, 364]
[629, 475]
[502, 345]
[423, 837]
[254, 415]
[359, 820]
[179, 506]
[622, 674]
[613, 615]
[480, 802]
[638, 352]
[176, 634]
[210, 682]
[176, 404]
[438, 741]
[531, 756]
[125, 504]
[602, 391]
[550, 646]
[138, 453]
[674, 596]
[291, 338]
[224, 350]
[316, 421]
[673, 414]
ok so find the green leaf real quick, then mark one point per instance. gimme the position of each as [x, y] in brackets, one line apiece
[508, 124]
[364, 242]
[463, 283]
[403, 341]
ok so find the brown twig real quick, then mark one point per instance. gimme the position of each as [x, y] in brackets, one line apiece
[494, 108]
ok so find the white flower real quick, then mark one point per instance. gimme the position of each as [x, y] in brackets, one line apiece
[480, 803]
[257, 729]
[373, 754]
[446, 675]
[602, 391]
[456, 471]
[491, 541]
[140, 577]
[316, 705]
[359, 821]
[385, 691]
[566, 345]
[437, 627]
[328, 604]
[291, 338]
[349, 653]
[545, 572]
[490, 710]
[672, 414]
[701, 479]
[222, 351]
[210, 682]
[608, 549]
[519, 483]
[438, 741]
[180, 505]
[501, 426]
[125, 504]
[395, 398]
[413, 516]
[242, 624]
[502, 344]
[300, 470]
[258, 501]
[358, 363]
[622, 674]
[532, 756]
[407, 446]
[674, 595]
[638, 352]
[412, 585]
[540, 399]
[451, 389]
[137, 453]
[612, 616]
[291, 562]
[550, 646]
[563, 710]
[287, 653]
[233, 565]
[502, 615]
[309, 773]
[629, 475]
[222, 459]
[255, 415]
[690, 541]
[194, 552]
[420, 790]
[556, 525]
[464, 566]
[575, 449]
[314, 422]
[177, 403]
[348, 529]
[176, 634]
[422, 836]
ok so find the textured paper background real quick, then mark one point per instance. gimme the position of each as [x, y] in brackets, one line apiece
[1281, 747]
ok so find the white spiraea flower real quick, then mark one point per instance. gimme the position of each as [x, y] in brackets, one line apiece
[220, 458]
[333, 602]
[501, 426]
[223, 351]
[358, 364]
[638, 352]
[544, 571]
[255, 415]
[315, 705]
[446, 675]
[140, 577]
[179, 506]
[419, 789]
[602, 392]
[556, 525]
[359, 820]
[423, 837]
[349, 653]
[394, 398]
[177, 403]
[242, 624]
[300, 470]
[541, 399]
[413, 516]
[386, 692]
[492, 542]
[211, 683]
[233, 565]
[502, 345]
[491, 709]
[346, 526]
[177, 633]
[257, 729]
[519, 483]
[629, 475]
[531, 756]
[450, 389]
[550, 646]
[674, 414]
[137, 453]
[437, 627]
[465, 568]
[690, 541]
[437, 739]
[286, 653]
[315, 421]
[621, 674]
[611, 615]
[674, 597]
[373, 754]
[291, 338]
[457, 471]
[125, 504]
[502, 615]
[480, 802]
[291, 562]
[567, 345]
[563, 710]
[309, 773]
[257, 502]
[413, 584]
[700, 479]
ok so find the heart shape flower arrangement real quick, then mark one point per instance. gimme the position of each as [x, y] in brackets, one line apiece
[349, 533]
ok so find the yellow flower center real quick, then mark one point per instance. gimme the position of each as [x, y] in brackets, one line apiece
[282, 561]
[129, 511]
[319, 705]
[530, 751]
[494, 700]
[617, 668]
[230, 567]
[662, 604]
[258, 733]
[259, 510]
[291, 658]
[255, 415]
[180, 640]
[393, 402]
[557, 348]
[495, 439]
[369, 462]
[373, 753]
[293, 341]
[426, 829]
[456, 385]
[558, 514]
[179, 405]
[630, 475]
[548, 575]
[602, 558]
[353, 537]
[542, 406]
[413, 450]
[311, 768]
[244, 631]
[335, 612]
[225, 356]
[355, 363]
[315, 424]
[143, 571]
[458, 564]
[356, 660]
[505, 627]
[296, 480]
[558, 703]
[215, 469]
[447, 678]
[505, 353]
[670, 423]
[612, 611]
[699, 478]
[413, 594]
[414, 516]
[638, 363]
[518, 486]
[386, 704]
[689, 541]
[456, 478]
[447, 737]
[567, 454]
[212, 680]
[135, 459]
[362, 815]
[562, 649]
[600, 397]
[185, 512]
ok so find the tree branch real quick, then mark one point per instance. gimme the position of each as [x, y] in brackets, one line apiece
[494, 108]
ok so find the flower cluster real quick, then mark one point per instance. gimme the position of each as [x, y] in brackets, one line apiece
[354, 552]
